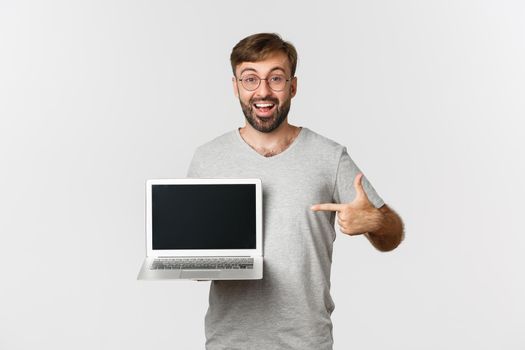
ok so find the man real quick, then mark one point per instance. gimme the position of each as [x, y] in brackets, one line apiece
[308, 180]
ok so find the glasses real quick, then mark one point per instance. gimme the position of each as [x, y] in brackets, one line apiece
[276, 82]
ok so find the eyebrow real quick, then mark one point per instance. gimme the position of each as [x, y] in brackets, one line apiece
[254, 70]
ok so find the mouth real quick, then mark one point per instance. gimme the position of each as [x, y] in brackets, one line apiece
[264, 109]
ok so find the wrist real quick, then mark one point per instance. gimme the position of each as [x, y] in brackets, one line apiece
[377, 219]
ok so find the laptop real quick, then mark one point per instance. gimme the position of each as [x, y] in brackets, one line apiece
[203, 229]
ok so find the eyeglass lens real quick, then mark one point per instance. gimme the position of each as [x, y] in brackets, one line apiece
[252, 82]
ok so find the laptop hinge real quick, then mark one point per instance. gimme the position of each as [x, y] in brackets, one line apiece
[205, 256]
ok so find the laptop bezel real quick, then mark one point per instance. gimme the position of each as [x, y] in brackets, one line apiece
[203, 252]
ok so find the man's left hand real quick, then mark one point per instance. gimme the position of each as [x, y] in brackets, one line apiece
[357, 217]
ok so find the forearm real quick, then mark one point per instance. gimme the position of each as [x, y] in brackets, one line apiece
[390, 232]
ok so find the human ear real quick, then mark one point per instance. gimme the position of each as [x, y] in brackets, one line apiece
[235, 87]
[293, 86]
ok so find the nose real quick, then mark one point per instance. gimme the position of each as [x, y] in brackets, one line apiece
[264, 89]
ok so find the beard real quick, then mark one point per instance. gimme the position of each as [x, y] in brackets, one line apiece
[268, 124]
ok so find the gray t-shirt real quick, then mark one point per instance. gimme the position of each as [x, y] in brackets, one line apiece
[290, 307]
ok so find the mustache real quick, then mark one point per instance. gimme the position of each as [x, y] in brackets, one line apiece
[267, 99]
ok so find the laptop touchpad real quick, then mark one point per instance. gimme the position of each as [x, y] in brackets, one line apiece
[199, 274]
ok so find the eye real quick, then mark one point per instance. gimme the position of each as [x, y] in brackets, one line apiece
[277, 78]
[250, 79]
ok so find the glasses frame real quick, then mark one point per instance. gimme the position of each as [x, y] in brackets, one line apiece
[261, 79]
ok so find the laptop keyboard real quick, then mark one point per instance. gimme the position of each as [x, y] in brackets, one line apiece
[223, 263]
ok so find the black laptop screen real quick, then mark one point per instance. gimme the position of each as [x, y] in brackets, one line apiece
[218, 216]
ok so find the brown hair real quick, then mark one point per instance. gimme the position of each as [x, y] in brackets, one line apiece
[257, 47]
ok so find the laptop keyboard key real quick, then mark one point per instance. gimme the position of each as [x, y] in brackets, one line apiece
[201, 263]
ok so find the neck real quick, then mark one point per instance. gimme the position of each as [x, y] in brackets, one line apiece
[277, 137]
[272, 143]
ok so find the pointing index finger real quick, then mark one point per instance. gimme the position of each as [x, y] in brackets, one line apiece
[327, 207]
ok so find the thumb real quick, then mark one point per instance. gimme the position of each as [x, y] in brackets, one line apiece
[359, 190]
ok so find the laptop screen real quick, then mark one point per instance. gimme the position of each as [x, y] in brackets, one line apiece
[203, 216]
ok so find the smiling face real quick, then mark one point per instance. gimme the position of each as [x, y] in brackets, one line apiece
[265, 109]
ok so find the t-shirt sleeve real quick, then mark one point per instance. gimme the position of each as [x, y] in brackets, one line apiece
[193, 169]
[344, 191]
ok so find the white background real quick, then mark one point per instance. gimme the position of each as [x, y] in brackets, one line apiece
[98, 96]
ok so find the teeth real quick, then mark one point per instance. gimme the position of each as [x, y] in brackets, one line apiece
[262, 105]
